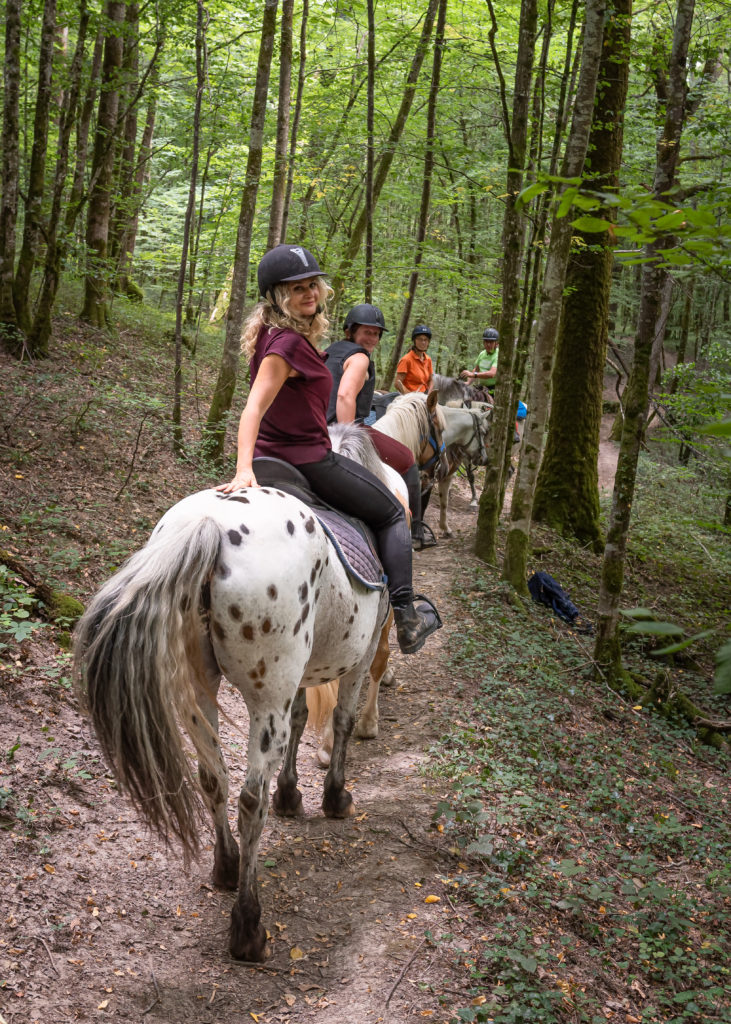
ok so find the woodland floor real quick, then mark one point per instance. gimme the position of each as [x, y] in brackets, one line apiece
[99, 921]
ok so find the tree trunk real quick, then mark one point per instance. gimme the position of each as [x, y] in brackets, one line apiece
[276, 213]
[201, 25]
[9, 335]
[607, 651]
[370, 150]
[40, 332]
[386, 159]
[37, 172]
[425, 193]
[226, 382]
[296, 118]
[516, 552]
[125, 284]
[97, 223]
[76, 197]
[567, 491]
[124, 200]
[512, 254]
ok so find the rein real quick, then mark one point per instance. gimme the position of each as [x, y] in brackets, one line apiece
[437, 445]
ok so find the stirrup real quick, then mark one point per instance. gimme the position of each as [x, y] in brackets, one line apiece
[429, 621]
[422, 536]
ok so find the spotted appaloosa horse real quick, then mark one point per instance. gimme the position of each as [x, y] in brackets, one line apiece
[246, 585]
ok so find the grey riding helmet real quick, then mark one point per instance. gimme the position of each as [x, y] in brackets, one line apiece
[490, 334]
[365, 315]
[286, 263]
[421, 329]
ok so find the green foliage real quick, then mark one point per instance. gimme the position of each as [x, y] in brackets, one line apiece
[16, 608]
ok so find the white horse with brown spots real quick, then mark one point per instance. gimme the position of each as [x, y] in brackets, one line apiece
[248, 586]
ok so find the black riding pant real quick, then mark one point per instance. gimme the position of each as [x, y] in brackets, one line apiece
[346, 485]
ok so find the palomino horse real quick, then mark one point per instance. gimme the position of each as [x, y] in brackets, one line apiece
[248, 585]
[417, 421]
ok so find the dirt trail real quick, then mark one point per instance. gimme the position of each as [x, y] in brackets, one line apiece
[100, 922]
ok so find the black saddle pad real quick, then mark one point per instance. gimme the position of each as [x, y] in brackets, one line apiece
[351, 538]
[380, 403]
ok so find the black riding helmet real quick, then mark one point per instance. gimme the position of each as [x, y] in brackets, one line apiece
[285, 263]
[365, 315]
[421, 329]
[490, 334]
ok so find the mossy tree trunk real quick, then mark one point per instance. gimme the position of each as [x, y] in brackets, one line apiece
[40, 332]
[516, 553]
[96, 282]
[512, 246]
[279, 185]
[607, 650]
[226, 382]
[567, 491]
[37, 171]
[9, 334]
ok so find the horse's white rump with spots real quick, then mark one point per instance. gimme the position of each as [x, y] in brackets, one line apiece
[246, 584]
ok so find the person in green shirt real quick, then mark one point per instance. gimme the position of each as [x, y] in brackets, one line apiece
[485, 369]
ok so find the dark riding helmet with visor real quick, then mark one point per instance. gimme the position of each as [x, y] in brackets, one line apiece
[421, 329]
[490, 334]
[285, 263]
[365, 315]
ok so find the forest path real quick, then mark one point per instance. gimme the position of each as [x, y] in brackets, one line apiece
[100, 921]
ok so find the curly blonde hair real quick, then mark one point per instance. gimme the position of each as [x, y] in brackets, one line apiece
[264, 314]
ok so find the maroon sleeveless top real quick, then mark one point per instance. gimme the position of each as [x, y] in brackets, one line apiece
[294, 427]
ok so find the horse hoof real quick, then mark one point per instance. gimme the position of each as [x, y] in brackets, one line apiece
[323, 758]
[388, 678]
[338, 807]
[366, 731]
[225, 877]
[287, 803]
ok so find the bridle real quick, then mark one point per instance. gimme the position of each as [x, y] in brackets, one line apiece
[435, 440]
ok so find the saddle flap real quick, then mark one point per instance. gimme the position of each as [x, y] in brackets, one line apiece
[352, 539]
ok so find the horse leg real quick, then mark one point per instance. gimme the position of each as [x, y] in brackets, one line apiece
[367, 725]
[470, 471]
[444, 486]
[336, 800]
[212, 770]
[268, 737]
[287, 800]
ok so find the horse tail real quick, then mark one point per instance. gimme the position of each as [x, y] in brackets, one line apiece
[321, 702]
[134, 675]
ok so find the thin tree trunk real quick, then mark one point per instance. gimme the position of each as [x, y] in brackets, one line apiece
[276, 213]
[36, 177]
[125, 284]
[296, 118]
[425, 193]
[226, 382]
[40, 331]
[123, 200]
[201, 25]
[567, 491]
[10, 174]
[607, 651]
[386, 159]
[97, 225]
[512, 253]
[76, 197]
[370, 152]
[516, 552]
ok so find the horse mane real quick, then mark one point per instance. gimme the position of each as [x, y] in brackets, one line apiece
[355, 444]
[407, 420]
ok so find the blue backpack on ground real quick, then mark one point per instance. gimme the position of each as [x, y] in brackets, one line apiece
[545, 590]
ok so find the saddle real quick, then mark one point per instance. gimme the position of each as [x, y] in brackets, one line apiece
[353, 541]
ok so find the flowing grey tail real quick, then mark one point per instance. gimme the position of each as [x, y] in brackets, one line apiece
[133, 672]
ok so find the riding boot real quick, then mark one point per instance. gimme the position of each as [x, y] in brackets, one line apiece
[422, 535]
[415, 622]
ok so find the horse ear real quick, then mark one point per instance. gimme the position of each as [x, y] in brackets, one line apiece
[432, 400]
